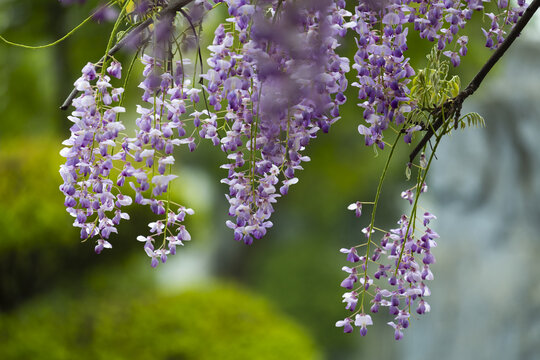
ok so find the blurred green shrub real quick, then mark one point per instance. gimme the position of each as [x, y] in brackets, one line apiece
[221, 323]
[36, 236]
[39, 247]
[31, 210]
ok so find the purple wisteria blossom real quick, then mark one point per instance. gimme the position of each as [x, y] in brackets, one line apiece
[403, 257]
[282, 83]
[362, 320]
[382, 67]
[149, 156]
[92, 198]
[356, 207]
[345, 324]
[98, 152]
[273, 81]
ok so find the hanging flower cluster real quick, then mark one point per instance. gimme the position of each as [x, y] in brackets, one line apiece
[98, 147]
[92, 198]
[283, 83]
[403, 256]
[273, 108]
[274, 81]
[384, 73]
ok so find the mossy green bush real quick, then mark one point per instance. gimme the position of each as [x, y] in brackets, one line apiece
[221, 323]
[32, 211]
[38, 244]
[39, 247]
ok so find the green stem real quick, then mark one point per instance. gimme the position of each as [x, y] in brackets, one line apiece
[113, 35]
[128, 74]
[374, 211]
[55, 42]
[167, 211]
[419, 185]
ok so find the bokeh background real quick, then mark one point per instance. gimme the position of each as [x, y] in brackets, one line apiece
[280, 297]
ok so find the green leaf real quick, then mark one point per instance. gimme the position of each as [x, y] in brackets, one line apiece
[472, 120]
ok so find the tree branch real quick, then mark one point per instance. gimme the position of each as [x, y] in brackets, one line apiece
[453, 106]
[171, 9]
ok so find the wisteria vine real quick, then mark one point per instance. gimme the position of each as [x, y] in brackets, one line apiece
[273, 82]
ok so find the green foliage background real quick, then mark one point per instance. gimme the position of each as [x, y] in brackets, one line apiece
[219, 323]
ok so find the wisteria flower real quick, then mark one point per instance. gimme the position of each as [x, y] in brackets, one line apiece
[345, 324]
[352, 254]
[363, 320]
[356, 207]
[428, 217]
[398, 334]
[351, 298]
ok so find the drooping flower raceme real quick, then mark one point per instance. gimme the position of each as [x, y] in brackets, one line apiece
[149, 156]
[402, 260]
[277, 92]
[283, 82]
[103, 164]
[403, 256]
[92, 198]
[382, 67]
